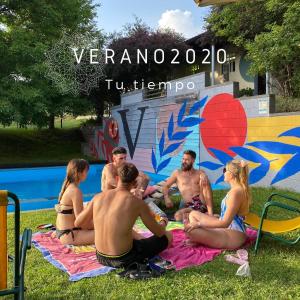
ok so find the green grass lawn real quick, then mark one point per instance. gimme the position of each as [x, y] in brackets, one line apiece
[275, 271]
[38, 146]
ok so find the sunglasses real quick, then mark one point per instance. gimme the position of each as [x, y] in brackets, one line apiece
[225, 170]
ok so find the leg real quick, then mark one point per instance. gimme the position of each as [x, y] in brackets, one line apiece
[152, 246]
[197, 216]
[220, 238]
[179, 215]
[81, 237]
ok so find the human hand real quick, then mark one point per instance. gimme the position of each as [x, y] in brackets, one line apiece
[188, 227]
[169, 203]
[163, 222]
[137, 193]
[185, 219]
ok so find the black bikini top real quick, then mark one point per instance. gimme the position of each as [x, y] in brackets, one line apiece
[63, 211]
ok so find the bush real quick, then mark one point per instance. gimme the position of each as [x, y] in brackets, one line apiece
[246, 92]
[285, 104]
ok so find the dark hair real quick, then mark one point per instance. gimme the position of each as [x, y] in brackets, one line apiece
[119, 150]
[74, 169]
[191, 153]
[128, 173]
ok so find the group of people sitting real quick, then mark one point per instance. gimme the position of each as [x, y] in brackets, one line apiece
[108, 219]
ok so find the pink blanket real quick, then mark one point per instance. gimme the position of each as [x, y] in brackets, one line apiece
[183, 256]
[77, 266]
[85, 264]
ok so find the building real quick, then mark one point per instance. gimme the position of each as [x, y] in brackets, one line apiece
[227, 63]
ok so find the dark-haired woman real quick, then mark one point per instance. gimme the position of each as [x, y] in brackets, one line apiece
[71, 204]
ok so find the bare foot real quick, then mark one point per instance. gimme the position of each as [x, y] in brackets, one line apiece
[189, 243]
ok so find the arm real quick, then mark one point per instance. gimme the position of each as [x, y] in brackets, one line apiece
[108, 181]
[85, 217]
[142, 183]
[77, 201]
[233, 204]
[150, 222]
[207, 192]
[171, 180]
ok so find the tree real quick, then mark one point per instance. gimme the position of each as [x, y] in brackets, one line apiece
[139, 36]
[269, 31]
[30, 28]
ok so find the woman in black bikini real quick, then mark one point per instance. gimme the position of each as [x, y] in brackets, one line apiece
[71, 204]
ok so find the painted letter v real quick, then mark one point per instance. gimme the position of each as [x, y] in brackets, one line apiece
[131, 145]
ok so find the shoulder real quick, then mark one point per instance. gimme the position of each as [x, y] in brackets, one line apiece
[108, 167]
[201, 173]
[73, 190]
[176, 173]
[98, 197]
[236, 194]
[77, 191]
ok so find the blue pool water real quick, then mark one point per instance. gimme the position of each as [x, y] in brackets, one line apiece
[38, 188]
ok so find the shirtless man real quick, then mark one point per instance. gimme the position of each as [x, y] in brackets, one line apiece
[109, 173]
[114, 213]
[193, 185]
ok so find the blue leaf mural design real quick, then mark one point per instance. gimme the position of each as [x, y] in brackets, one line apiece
[210, 165]
[171, 127]
[258, 173]
[153, 160]
[181, 113]
[180, 135]
[171, 148]
[223, 157]
[275, 147]
[290, 168]
[163, 164]
[220, 179]
[249, 154]
[192, 121]
[162, 143]
[294, 132]
[198, 105]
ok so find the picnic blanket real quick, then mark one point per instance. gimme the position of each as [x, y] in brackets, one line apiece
[81, 262]
[182, 255]
[76, 265]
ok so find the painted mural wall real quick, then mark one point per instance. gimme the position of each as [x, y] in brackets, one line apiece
[216, 125]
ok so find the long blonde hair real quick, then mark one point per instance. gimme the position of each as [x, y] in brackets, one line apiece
[74, 169]
[240, 170]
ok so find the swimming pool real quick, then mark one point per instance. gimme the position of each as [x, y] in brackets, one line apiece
[38, 188]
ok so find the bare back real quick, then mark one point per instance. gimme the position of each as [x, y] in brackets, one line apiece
[115, 213]
[71, 200]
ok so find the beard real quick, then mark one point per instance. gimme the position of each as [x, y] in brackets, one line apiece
[186, 167]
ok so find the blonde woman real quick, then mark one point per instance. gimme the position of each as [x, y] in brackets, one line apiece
[228, 231]
[71, 204]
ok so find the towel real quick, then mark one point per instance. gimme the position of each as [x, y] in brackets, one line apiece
[76, 265]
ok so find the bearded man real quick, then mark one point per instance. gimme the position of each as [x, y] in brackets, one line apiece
[193, 185]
